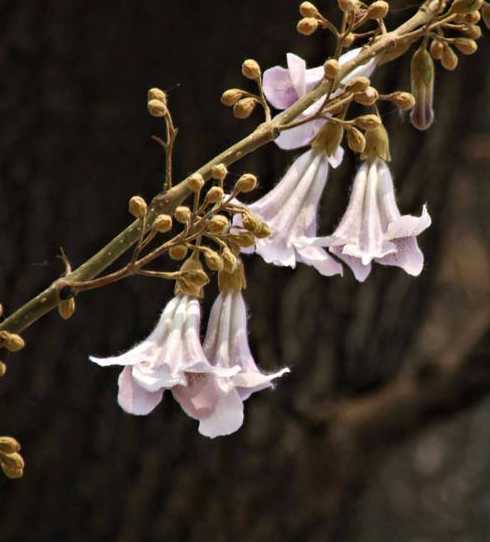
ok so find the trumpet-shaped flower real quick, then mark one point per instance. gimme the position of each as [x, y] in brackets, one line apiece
[290, 210]
[373, 229]
[217, 402]
[284, 86]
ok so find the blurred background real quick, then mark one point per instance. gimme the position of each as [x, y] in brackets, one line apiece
[341, 451]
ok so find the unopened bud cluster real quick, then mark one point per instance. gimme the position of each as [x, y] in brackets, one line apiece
[11, 462]
[157, 103]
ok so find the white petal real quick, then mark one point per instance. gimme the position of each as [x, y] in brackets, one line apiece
[226, 418]
[300, 136]
[408, 256]
[409, 226]
[134, 399]
[297, 72]
[319, 259]
[360, 271]
[278, 88]
[336, 158]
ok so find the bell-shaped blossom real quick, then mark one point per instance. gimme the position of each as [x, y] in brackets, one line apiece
[217, 402]
[373, 229]
[284, 86]
[171, 356]
[290, 209]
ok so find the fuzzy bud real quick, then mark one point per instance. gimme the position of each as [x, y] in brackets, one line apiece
[377, 10]
[8, 445]
[195, 182]
[377, 144]
[473, 31]
[307, 26]
[213, 260]
[244, 108]
[485, 12]
[66, 308]
[465, 6]
[219, 172]
[251, 222]
[12, 465]
[367, 98]
[263, 231]
[246, 183]
[229, 260]
[215, 195]
[358, 84]
[449, 59]
[183, 214]
[332, 68]
[157, 108]
[157, 94]
[137, 207]
[244, 239]
[307, 9]
[162, 223]
[218, 224]
[367, 122]
[3, 369]
[473, 17]
[422, 80]
[178, 253]
[465, 45]
[437, 49]
[251, 69]
[11, 341]
[404, 100]
[356, 140]
[230, 97]
[193, 278]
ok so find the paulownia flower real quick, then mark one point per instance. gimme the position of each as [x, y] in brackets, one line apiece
[284, 86]
[290, 210]
[373, 229]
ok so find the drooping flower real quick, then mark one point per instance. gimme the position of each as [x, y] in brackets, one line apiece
[284, 86]
[290, 210]
[373, 229]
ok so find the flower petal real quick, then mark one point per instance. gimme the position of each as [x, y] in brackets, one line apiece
[320, 260]
[226, 417]
[409, 226]
[360, 270]
[134, 399]
[408, 256]
[297, 73]
[278, 88]
[300, 136]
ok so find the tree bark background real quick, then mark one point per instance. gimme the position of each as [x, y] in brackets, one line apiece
[75, 145]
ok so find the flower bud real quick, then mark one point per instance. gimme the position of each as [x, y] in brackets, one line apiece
[178, 252]
[404, 100]
[332, 68]
[367, 122]
[251, 222]
[157, 108]
[3, 369]
[162, 223]
[346, 5]
[193, 278]
[358, 84]
[8, 445]
[465, 45]
[182, 214]
[229, 260]
[11, 341]
[244, 108]
[251, 69]
[329, 138]
[230, 97]
[356, 140]
[449, 59]
[473, 31]
[219, 172]
[368, 98]
[244, 239]
[66, 308]
[137, 207]
[307, 26]
[195, 182]
[422, 80]
[465, 6]
[377, 10]
[12, 465]
[377, 144]
[485, 12]
[307, 9]
[436, 49]
[213, 260]
[215, 195]
[157, 94]
[263, 231]
[246, 183]
[349, 39]
[217, 224]
[473, 17]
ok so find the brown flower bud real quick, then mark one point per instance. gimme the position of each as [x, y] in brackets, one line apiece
[377, 144]
[377, 10]
[244, 108]
[12, 465]
[329, 138]
[157, 94]
[229, 260]
[422, 81]
[178, 252]
[404, 100]
[349, 39]
[219, 172]
[307, 26]
[436, 49]
[244, 239]
[218, 224]
[162, 223]
[66, 308]
[195, 182]
[473, 17]
[307, 9]
[11, 341]
[3, 369]
[246, 183]
[356, 140]
[192, 279]
[368, 98]
[215, 195]
[367, 122]
[251, 69]
[137, 207]
[465, 45]
[213, 260]
[183, 214]
[465, 6]
[263, 231]
[449, 59]
[332, 68]
[358, 84]
[230, 97]
[8, 445]
[473, 31]
[251, 222]
[157, 108]
[485, 12]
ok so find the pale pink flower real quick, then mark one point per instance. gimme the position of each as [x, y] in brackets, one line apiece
[284, 86]
[217, 401]
[290, 209]
[373, 229]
